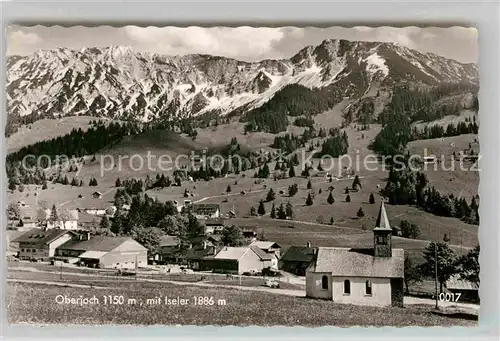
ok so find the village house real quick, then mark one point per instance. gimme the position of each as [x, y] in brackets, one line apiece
[38, 244]
[213, 225]
[67, 220]
[205, 211]
[106, 252]
[372, 276]
[468, 291]
[241, 260]
[271, 248]
[93, 211]
[200, 256]
[297, 259]
[168, 250]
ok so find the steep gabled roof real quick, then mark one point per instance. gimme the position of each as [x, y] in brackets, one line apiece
[382, 223]
[205, 207]
[264, 245]
[169, 241]
[299, 254]
[40, 236]
[233, 253]
[350, 262]
[259, 252]
[95, 243]
[455, 283]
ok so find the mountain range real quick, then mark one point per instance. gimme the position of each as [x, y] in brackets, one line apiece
[119, 82]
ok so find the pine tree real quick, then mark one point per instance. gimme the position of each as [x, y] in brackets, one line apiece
[262, 209]
[292, 190]
[53, 214]
[330, 199]
[332, 221]
[346, 191]
[309, 200]
[348, 198]
[253, 211]
[309, 185]
[81, 183]
[228, 189]
[360, 213]
[356, 182]
[372, 199]
[118, 182]
[291, 172]
[270, 195]
[105, 223]
[281, 212]
[273, 212]
[44, 185]
[289, 210]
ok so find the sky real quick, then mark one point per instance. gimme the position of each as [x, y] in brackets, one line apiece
[242, 43]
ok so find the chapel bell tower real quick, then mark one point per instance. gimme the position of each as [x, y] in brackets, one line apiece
[382, 233]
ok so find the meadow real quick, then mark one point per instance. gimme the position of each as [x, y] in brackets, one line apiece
[35, 304]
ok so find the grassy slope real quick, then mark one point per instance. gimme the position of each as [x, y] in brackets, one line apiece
[242, 308]
[46, 129]
[432, 227]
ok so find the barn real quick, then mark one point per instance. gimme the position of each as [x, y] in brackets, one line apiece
[239, 260]
[106, 252]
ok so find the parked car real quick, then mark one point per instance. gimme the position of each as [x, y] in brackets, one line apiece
[272, 283]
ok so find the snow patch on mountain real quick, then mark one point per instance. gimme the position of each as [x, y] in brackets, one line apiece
[117, 81]
[375, 63]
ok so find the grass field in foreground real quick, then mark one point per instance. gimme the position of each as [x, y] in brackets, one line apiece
[35, 303]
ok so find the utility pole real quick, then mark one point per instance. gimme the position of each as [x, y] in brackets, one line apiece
[436, 272]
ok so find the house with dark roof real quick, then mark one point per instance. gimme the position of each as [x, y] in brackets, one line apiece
[240, 260]
[271, 248]
[106, 252]
[168, 250]
[297, 259]
[213, 225]
[372, 276]
[469, 291]
[38, 244]
[205, 211]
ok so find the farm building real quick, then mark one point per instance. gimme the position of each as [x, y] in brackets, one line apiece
[271, 248]
[106, 252]
[371, 276]
[239, 260]
[200, 256]
[205, 211]
[67, 220]
[93, 211]
[468, 291]
[41, 244]
[168, 250]
[213, 225]
[297, 258]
